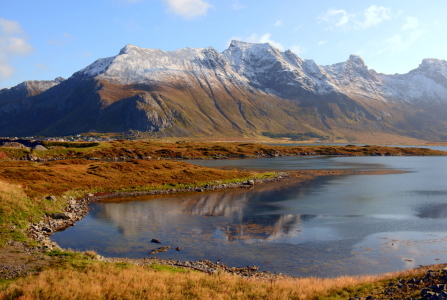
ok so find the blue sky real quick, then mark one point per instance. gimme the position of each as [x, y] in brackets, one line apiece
[41, 40]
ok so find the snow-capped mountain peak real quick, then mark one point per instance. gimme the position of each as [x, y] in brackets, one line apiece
[356, 60]
[266, 67]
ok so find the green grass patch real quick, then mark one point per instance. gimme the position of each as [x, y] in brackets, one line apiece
[170, 269]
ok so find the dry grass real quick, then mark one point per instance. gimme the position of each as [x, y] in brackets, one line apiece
[106, 281]
[79, 277]
[58, 177]
[221, 149]
[86, 279]
[17, 209]
[190, 149]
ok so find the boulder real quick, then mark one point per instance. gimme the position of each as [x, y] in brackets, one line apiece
[51, 198]
[161, 249]
[39, 147]
[60, 216]
[13, 145]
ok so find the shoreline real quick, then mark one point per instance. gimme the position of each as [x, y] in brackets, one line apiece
[79, 207]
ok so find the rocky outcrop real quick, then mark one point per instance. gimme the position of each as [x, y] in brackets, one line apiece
[53, 222]
[432, 285]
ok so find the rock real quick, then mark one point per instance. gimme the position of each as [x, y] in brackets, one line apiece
[63, 216]
[14, 145]
[179, 248]
[425, 292]
[404, 288]
[161, 249]
[251, 182]
[47, 230]
[31, 157]
[155, 241]
[39, 147]
[439, 287]
[51, 198]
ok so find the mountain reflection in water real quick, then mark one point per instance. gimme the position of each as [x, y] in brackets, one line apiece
[243, 215]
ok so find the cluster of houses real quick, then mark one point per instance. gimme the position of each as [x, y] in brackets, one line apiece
[72, 138]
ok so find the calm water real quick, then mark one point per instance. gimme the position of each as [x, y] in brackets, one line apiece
[335, 225]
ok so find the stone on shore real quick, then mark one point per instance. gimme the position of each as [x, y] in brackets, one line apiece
[161, 249]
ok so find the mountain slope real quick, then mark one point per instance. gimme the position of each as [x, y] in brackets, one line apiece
[246, 90]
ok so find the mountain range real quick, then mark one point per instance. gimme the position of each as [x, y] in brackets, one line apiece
[246, 90]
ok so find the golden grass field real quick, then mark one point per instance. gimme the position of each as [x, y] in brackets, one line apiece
[191, 149]
[79, 277]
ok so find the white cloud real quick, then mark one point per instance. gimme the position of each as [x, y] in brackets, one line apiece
[297, 28]
[278, 23]
[132, 25]
[12, 44]
[86, 54]
[68, 36]
[62, 40]
[404, 40]
[188, 9]
[412, 23]
[129, 1]
[9, 27]
[299, 50]
[370, 17]
[336, 17]
[399, 42]
[236, 5]
[266, 38]
[375, 15]
[6, 70]
[41, 68]
[321, 43]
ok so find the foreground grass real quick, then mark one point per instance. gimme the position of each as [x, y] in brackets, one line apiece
[78, 276]
[97, 280]
[17, 210]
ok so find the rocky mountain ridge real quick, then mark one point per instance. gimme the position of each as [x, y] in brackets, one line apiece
[28, 89]
[245, 90]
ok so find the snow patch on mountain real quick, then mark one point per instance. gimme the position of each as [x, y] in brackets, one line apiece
[267, 68]
[96, 68]
[43, 85]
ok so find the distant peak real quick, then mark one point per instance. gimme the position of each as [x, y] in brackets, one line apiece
[128, 48]
[236, 43]
[357, 60]
[426, 62]
[247, 45]
[430, 60]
